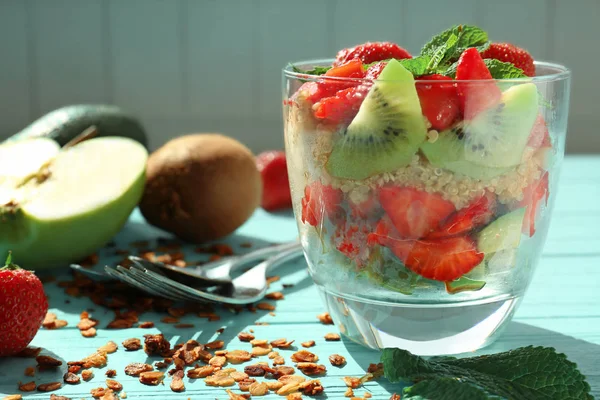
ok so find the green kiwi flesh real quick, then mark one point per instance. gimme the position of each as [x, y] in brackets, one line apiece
[497, 137]
[448, 152]
[386, 132]
[492, 143]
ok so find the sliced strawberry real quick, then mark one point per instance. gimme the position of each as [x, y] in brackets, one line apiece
[315, 91]
[475, 97]
[438, 259]
[507, 52]
[476, 214]
[414, 213]
[276, 185]
[342, 107]
[374, 70]
[539, 137]
[444, 259]
[329, 87]
[533, 195]
[439, 101]
[371, 52]
[350, 69]
[321, 201]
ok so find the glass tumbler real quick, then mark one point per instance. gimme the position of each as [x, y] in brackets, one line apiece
[423, 205]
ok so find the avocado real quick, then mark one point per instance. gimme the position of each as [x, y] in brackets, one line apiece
[64, 124]
[503, 233]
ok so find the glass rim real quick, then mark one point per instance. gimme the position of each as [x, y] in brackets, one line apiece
[561, 72]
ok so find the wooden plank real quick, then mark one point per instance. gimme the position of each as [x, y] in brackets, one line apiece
[145, 51]
[426, 18]
[72, 72]
[15, 79]
[381, 21]
[221, 59]
[559, 310]
[526, 28]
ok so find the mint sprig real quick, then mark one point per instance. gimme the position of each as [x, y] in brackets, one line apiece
[527, 373]
[467, 36]
[315, 71]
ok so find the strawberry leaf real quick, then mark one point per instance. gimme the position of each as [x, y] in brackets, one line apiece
[527, 373]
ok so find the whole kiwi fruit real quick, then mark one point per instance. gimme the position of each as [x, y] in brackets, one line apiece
[201, 187]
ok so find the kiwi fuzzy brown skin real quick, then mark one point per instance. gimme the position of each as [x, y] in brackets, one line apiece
[201, 187]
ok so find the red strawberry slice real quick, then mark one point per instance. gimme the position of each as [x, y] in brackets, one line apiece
[375, 70]
[476, 214]
[507, 52]
[474, 97]
[371, 52]
[329, 87]
[276, 186]
[439, 101]
[444, 259]
[342, 107]
[350, 69]
[321, 201]
[533, 195]
[414, 213]
[539, 137]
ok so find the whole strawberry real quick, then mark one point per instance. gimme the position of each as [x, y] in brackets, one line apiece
[23, 306]
[276, 185]
[507, 52]
[371, 52]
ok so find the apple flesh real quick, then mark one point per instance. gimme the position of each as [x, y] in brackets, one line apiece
[74, 204]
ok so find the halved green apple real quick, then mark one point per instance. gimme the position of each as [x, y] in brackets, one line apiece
[59, 206]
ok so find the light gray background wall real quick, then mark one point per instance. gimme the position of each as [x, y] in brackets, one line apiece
[214, 65]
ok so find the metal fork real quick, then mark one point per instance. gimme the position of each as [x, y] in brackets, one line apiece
[216, 272]
[247, 288]
[211, 273]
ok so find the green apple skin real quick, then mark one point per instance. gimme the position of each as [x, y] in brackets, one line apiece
[40, 244]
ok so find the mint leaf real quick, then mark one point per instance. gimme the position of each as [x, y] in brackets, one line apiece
[449, 71]
[443, 52]
[314, 71]
[503, 70]
[498, 69]
[445, 389]
[418, 66]
[468, 36]
[527, 373]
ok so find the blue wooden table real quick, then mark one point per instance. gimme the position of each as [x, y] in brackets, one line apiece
[561, 308]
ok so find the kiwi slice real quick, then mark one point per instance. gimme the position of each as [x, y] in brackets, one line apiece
[386, 132]
[448, 152]
[493, 142]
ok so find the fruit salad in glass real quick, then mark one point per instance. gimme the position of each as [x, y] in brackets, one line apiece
[422, 184]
